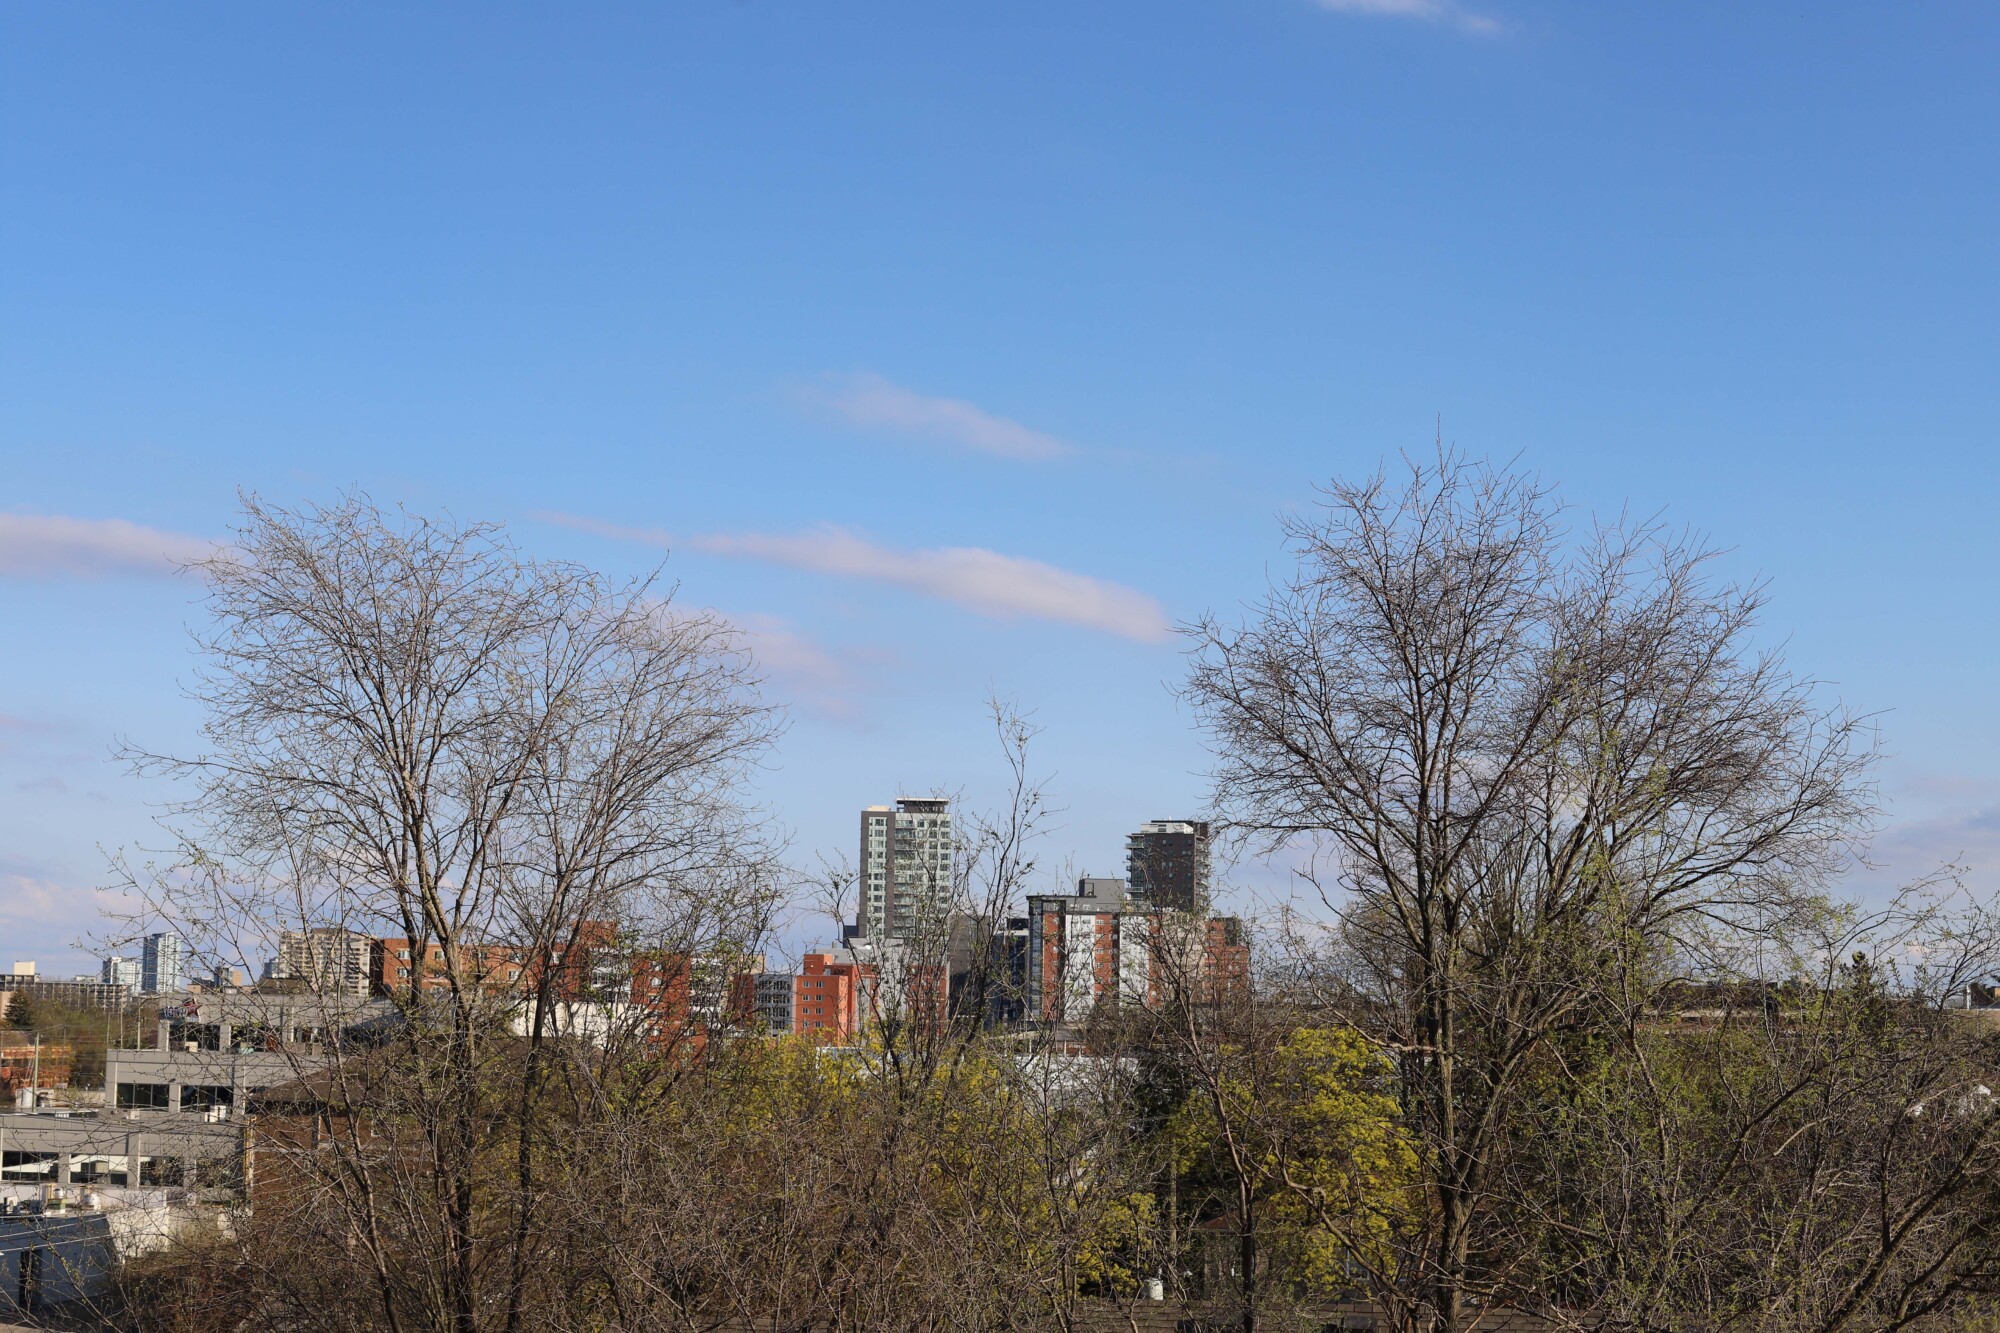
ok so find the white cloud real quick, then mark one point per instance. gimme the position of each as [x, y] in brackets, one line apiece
[1427, 11]
[871, 402]
[992, 584]
[42, 546]
[1005, 587]
[807, 672]
[29, 897]
[39, 901]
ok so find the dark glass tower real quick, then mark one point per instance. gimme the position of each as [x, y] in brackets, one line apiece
[1167, 864]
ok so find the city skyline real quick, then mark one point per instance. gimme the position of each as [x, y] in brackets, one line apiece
[945, 359]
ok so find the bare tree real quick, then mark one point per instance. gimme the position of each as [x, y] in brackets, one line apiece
[530, 775]
[1535, 765]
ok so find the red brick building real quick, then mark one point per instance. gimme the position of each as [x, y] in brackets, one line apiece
[401, 965]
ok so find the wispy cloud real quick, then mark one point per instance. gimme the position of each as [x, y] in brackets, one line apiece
[1005, 587]
[870, 402]
[32, 895]
[46, 546]
[1444, 12]
[1967, 837]
[815, 676]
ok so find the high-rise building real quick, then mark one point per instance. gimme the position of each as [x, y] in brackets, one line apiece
[1167, 863]
[906, 865]
[119, 971]
[768, 1000]
[160, 965]
[327, 959]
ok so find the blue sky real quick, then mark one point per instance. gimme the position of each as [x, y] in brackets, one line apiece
[963, 347]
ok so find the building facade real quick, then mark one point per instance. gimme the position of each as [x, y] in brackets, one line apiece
[830, 999]
[1081, 950]
[162, 965]
[1167, 864]
[906, 868]
[1103, 947]
[120, 971]
[404, 967]
[211, 1052]
[327, 959]
[84, 993]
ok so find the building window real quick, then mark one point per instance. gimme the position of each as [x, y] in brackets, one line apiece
[196, 1097]
[142, 1096]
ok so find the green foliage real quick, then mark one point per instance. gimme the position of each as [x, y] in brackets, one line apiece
[1335, 1171]
[1113, 1256]
[1347, 1165]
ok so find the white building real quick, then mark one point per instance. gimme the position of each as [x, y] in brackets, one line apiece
[328, 959]
[906, 868]
[161, 967]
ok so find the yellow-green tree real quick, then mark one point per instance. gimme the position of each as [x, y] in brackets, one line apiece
[1333, 1171]
[1341, 1163]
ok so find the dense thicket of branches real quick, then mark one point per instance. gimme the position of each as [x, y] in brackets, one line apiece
[415, 732]
[1580, 1030]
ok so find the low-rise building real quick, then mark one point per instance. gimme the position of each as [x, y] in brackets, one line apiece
[400, 966]
[28, 1063]
[81, 993]
[211, 1052]
[108, 1147]
[61, 1248]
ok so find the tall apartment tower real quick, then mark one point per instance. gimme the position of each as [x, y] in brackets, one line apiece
[1166, 863]
[160, 967]
[120, 971]
[905, 867]
[328, 959]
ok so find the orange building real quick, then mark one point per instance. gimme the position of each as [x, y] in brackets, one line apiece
[831, 998]
[588, 965]
[1225, 962]
[826, 999]
[679, 995]
[401, 966]
[24, 1065]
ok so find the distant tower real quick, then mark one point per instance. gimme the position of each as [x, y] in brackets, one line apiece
[160, 966]
[905, 868]
[1166, 862]
[327, 959]
[119, 971]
